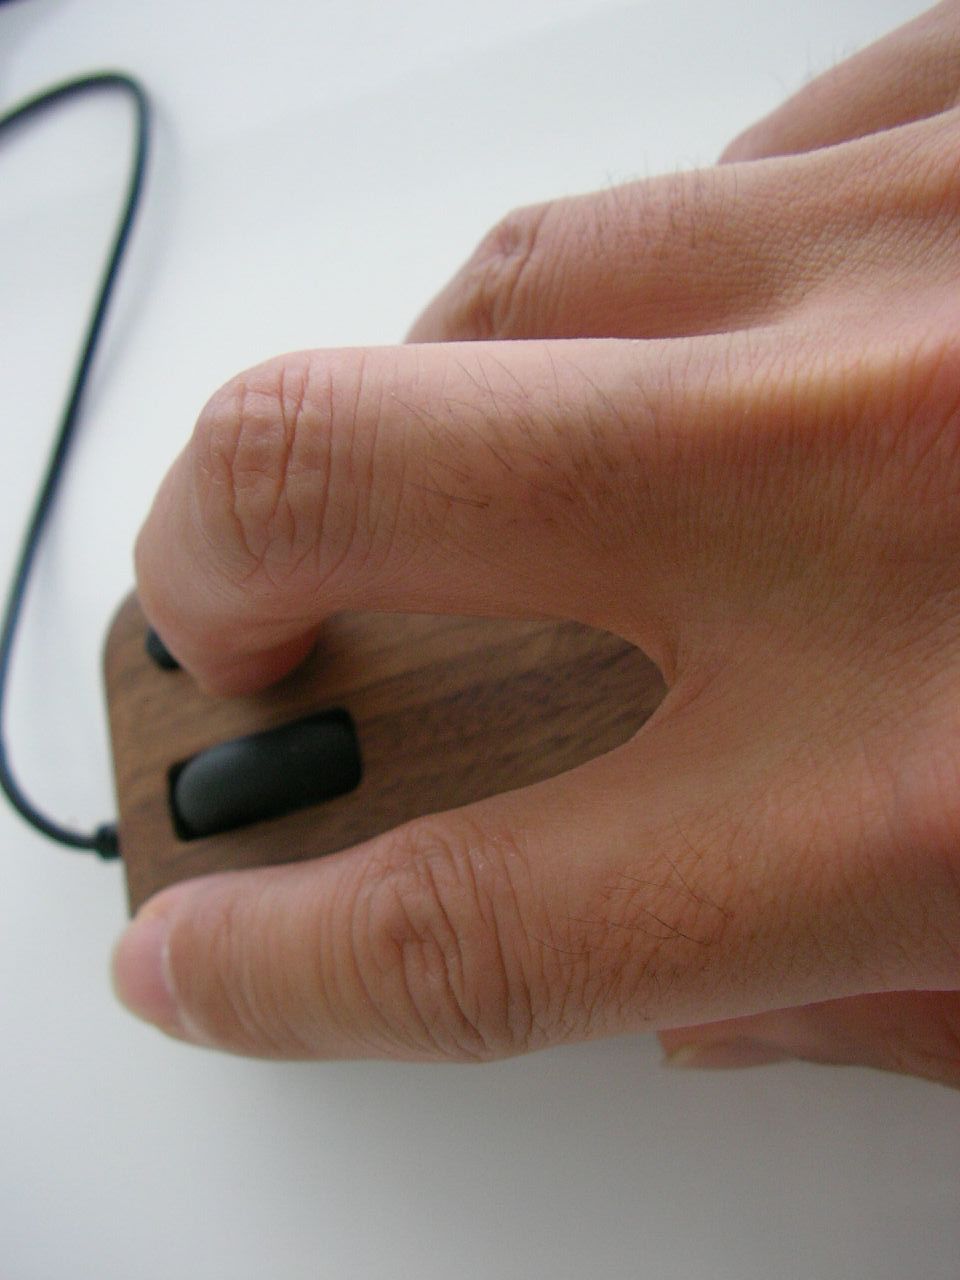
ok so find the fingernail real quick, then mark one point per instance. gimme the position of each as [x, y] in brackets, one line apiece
[722, 1054]
[141, 972]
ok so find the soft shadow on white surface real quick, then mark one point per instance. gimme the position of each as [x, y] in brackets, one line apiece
[320, 169]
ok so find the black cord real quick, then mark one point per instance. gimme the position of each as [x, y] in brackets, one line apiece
[104, 839]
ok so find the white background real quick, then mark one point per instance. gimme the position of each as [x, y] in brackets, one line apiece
[320, 168]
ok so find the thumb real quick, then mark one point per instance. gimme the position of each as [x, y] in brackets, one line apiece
[570, 909]
[420, 944]
[915, 1033]
[644, 889]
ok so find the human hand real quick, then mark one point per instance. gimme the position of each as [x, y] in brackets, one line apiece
[755, 477]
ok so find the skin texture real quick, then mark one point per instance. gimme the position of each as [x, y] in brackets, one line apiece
[733, 438]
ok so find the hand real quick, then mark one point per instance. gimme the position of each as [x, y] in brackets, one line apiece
[754, 476]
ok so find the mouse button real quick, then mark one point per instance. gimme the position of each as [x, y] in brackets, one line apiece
[265, 775]
[159, 653]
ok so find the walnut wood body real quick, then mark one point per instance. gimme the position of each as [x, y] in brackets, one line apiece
[447, 711]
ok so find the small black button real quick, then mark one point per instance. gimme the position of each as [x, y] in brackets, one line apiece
[159, 652]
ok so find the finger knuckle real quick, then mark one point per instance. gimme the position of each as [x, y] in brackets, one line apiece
[246, 446]
[273, 454]
[498, 288]
[440, 940]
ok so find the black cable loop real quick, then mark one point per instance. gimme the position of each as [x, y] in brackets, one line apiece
[104, 839]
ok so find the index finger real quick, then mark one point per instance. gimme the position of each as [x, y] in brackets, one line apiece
[498, 479]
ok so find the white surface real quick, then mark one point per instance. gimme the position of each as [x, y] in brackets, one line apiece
[321, 166]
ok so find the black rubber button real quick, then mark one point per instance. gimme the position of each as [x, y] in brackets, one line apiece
[265, 775]
[159, 652]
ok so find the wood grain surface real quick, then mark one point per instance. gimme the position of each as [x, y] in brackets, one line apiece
[447, 711]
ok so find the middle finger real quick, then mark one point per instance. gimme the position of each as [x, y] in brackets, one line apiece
[717, 250]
